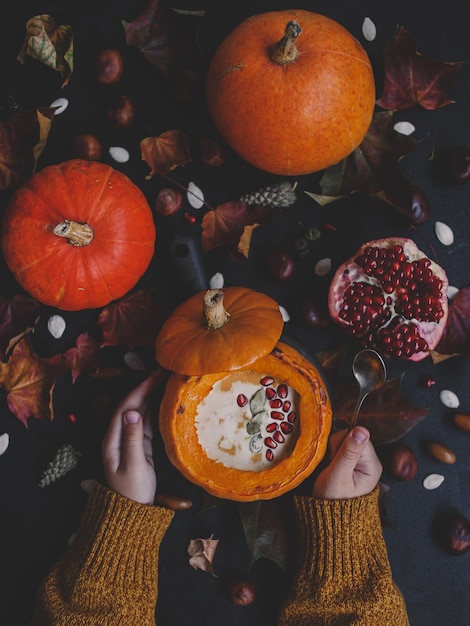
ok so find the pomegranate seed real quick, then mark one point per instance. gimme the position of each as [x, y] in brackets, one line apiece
[282, 390]
[72, 418]
[292, 416]
[271, 427]
[428, 382]
[286, 406]
[241, 399]
[328, 226]
[275, 404]
[277, 415]
[286, 427]
[189, 218]
[278, 437]
[269, 455]
[266, 381]
[269, 442]
[270, 393]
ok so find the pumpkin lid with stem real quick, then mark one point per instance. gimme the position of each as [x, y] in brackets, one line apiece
[219, 331]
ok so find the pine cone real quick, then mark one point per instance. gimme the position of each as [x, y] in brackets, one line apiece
[66, 458]
[279, 195]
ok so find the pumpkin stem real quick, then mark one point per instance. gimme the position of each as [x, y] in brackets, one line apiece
[285, 51]
[76, 233]
[214, 315]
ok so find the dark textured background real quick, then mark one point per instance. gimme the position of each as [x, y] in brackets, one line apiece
[35, 524]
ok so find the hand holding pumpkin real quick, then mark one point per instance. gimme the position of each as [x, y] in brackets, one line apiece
[354, 469]
[127, 446]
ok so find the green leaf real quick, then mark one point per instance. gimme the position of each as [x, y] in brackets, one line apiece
[264, 531]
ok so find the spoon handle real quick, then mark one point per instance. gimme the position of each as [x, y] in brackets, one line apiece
[357, 408]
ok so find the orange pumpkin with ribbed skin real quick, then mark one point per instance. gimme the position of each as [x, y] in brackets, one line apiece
[78, 235]
[178, 426]
[292, 92]
[219, 331]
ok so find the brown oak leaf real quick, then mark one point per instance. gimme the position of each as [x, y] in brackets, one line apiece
[83, 355]
[386, 413]
[29, 381]
[132, 321]
[165, 152]
[225, 226]
[264, 531]
[456, 337]
[49, 44]
[411, 78]
[201, 552]
[22, 140]
[15, 316]
[166, 38]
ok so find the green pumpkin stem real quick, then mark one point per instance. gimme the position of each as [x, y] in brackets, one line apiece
[285, 51]
[214, 316]
[76, 233]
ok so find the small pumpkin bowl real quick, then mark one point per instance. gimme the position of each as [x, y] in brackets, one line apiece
[248, 434]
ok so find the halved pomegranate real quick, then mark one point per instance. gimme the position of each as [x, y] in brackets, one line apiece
[392, 298]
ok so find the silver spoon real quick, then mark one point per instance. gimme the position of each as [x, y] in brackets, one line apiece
[369, 370]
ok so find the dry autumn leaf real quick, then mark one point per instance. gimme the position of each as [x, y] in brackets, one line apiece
[201, 552]
[132, 321]
[456, 337]
[165, 152]
[29, 381]
[15, 316]
[264, 531]
[83, 355]
[411, 78]
[49, 44]
[22, 140]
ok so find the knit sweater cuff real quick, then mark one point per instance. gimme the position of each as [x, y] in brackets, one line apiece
[341, 538]
[119, 539]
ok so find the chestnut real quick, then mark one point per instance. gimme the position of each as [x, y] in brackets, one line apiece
[241, 592]
[457, 165]
[312, 314]
[109, 66]
[86, 147]
[121, 113]
[168, 202]
[455, 534]
[400, 461]
[280, 264]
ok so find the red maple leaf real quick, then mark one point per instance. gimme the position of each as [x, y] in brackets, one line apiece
[165, 152]
[456, 336]
[29, 381]
[132, 321]
[411, 78]
[83, 355]
[225, 225]
[15, 316]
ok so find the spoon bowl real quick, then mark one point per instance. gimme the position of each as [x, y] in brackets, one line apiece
[370, 372]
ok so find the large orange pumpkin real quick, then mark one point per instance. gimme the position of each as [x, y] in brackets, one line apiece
[78, 235]
[292, 92]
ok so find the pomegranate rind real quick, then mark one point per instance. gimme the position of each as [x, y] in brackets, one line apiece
[350, 272]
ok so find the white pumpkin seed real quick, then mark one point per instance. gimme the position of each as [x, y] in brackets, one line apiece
[134, 362]
[4, 442]
[452, 292]
[404, 128]
[60, 104]
[433, 481]
[217, 281]
[322, 267]
[195, 196]
[87, 485]
[449, 399]
[368, 29]
[284, 313]
[120, 155]
[56, 325]
[444, 233]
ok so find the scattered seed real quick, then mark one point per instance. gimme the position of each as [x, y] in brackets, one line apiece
[369, 30]
[269, 455]
[276, 403]
[277, 415]
[56, 325]
[462, 421]
[217, 281]
[286, 427]
[134, 362]
[452, 292]
[286, 406]
[4, 443]
[266, 381]
[444, 233]
[87, 485]
[270, 393]
[404, 128]
[270, 443]
[60, 105]
[449, 399]
[72, 418]
[195, 196]
[118, 154]
[241, 399]
[271, 427]
[427, 381]
[285, 315]
[282, 390]
[256, 443]
[441, 453]
[323, 267]
[433, 481]
[278, 437]
[292, 416]
[189, 218]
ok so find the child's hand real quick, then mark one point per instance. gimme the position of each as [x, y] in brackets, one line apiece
[127, 446]
[354, 469]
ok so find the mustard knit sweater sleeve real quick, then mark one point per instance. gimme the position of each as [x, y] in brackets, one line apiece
[108, 576]
[343, 574]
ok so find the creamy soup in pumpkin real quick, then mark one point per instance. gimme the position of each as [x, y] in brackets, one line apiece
[248, 421]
